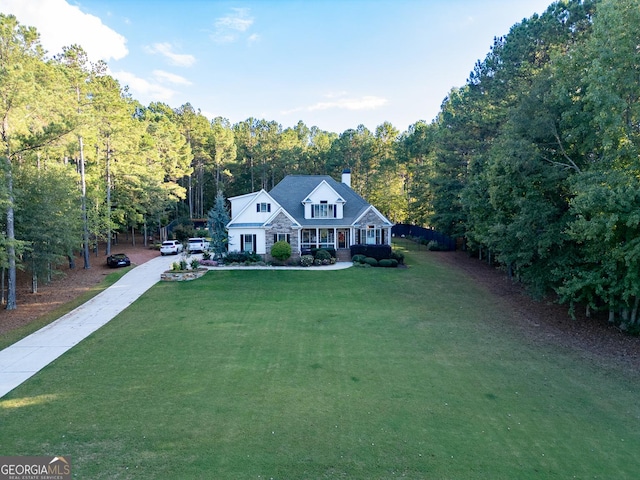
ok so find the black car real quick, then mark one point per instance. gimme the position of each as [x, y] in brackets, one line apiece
[118, 260]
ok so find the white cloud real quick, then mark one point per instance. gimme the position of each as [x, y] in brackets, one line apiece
[62, 25]
[367, 102]
[168, 77]
[229, 27]
[140, 87]
[166, 50]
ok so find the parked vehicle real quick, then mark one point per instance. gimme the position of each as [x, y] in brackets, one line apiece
[197, 245]
[171, 247]
[118, 260]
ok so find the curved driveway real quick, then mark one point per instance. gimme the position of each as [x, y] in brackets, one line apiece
[26, 357]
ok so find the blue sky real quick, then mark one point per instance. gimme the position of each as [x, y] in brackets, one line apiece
[332, 64]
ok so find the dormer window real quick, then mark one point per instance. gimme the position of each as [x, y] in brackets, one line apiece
[323, 210]
[263, 207]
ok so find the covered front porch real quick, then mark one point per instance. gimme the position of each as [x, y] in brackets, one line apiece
[341, 238]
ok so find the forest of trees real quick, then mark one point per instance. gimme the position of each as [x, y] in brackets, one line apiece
[534, 162]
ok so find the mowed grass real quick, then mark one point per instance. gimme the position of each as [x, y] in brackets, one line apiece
[360, 373]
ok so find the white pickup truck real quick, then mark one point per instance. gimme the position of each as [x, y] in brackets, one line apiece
[197, 245]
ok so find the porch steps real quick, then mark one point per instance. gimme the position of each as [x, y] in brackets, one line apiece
[343, 255]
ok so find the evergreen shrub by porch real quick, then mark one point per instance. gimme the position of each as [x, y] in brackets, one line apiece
[359, 258]
[281, 251]
[375, 251]
[313, 251]
[371, 261]
[322, 255]
[388, 262]
[398, 256]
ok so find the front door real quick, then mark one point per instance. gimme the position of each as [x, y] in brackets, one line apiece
[343, 238]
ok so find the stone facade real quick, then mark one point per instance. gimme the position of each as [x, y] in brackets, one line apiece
[370, 219]
[282, 225]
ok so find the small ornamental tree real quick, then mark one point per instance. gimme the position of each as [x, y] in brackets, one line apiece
[281, 251]
[217, 220]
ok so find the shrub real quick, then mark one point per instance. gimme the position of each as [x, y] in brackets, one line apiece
[195, 263]
[183, 264]
[281, 251]
[175, 267]
[306, 260]
[358, 258]
[209, 263]
[322, 255]
[435, 246]
[375, 251]
[388, 262]
[206, 255]
[398, 256]
[243, 257]
[371, 261]
[253, 258]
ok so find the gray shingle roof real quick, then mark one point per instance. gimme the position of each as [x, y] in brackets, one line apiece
[294, 189]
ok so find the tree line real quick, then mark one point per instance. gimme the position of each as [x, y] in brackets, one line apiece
[81, 159]
[533, 162]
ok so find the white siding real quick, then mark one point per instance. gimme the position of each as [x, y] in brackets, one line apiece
[235, 239]
[324, 193]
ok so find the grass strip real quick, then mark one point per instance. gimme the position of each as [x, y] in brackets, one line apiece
[11, 337]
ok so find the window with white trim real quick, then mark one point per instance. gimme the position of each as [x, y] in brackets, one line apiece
[327, 238]
[308, 238]
[263, 207]
[281, 237]
[323, 210]
[248, 243]
[371, 235]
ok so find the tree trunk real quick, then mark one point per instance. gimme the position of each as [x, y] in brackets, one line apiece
[108, 172]
[11, 238]
[634, 312]
[85, 221]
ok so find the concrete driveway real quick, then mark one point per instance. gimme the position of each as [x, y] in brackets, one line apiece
[23, 359]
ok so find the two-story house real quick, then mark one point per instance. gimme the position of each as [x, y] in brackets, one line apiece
[308, 211]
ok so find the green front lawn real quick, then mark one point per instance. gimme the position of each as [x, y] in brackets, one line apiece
[359, 373]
